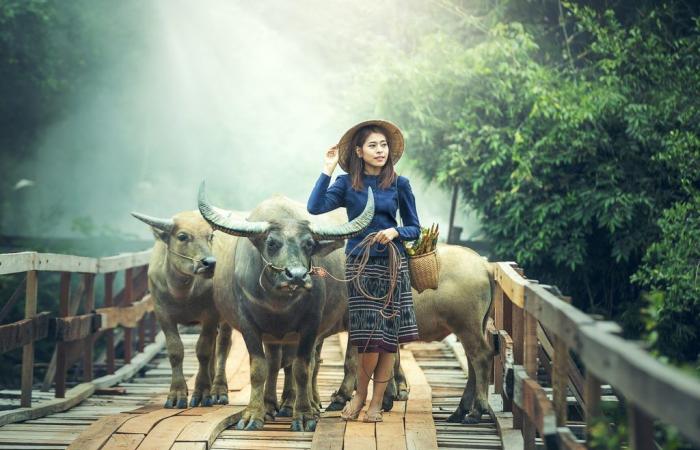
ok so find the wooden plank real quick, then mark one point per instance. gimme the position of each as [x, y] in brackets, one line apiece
[555, 315]
[28, 350]
[208, 426]
[512, 283]
[128, 300]
[72, 397]
[109, 334]
[137, 363]
[189, 446]
[125, 316]
[124, 261]
[89, 280]
[16, 262]
[419, 424]
[391, 434]
[566, 440]
[74, 328]
[64, 263]
[23, 332]
[659, 390]
[97, 434]
[165, 432]
[641, 429]
[143, 423]
[560, 380]
[63, 311]
[518, 353]
[329, 434]
[359, 436]
[533, 401]
[123, 442]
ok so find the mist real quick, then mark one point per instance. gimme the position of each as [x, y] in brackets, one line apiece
[245, 96]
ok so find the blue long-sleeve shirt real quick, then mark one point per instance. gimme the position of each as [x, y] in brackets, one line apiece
[341, 194]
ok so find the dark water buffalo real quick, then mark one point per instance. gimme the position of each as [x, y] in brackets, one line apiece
[180, 280]
[264, 288]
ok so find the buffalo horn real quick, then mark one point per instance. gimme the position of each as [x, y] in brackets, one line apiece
[348, 229]
[161, 224]
[220, 219]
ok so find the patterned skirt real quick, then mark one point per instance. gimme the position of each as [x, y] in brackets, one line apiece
[374, 325]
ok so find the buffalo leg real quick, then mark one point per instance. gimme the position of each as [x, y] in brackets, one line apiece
[219, 390]
[344, 393]
[273, 355]
[177, 397]
[288, 393]
[315, 396]
[304, 418]
[253, 417]
[205, 348]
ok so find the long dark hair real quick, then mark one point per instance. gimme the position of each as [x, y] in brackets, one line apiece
[356, 164]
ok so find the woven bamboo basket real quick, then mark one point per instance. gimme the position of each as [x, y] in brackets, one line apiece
[424, 270]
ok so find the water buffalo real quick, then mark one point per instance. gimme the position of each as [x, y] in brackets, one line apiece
[180, 280]
[264, 288]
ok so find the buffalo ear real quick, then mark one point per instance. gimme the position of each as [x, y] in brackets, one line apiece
[323, 248]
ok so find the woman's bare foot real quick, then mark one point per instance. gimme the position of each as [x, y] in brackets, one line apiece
[353, 408]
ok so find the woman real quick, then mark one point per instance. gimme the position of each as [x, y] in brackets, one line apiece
[368, 152]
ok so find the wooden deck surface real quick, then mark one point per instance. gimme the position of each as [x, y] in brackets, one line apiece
[137, 419]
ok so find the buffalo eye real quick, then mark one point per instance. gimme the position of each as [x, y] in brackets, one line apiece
[309, 244]
[273, 244]
[182, 237]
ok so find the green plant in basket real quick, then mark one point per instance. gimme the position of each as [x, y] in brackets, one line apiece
[425, 243]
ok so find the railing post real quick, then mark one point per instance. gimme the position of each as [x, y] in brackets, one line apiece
[530, 364]
[109, 301]
[129, 298]
[591, 394]
[498, 323]
[28, 350]
[560, 380]
[60, 345]
[89, 342]
[518, 345]
[641, 429]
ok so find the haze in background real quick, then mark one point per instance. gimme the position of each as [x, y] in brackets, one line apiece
[246, 96]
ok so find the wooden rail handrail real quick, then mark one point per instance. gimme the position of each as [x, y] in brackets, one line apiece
[68, 325]
[651, 389]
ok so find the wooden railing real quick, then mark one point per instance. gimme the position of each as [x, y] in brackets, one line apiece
[130, 309]
[533, 323]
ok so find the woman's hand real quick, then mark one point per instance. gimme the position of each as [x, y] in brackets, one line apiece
[330, 160]
[384, 236]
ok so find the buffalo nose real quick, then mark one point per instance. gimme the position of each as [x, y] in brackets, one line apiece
[209, 262]
[296, 275]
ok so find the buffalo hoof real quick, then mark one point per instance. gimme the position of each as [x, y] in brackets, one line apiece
[470, 420]
[387, 403]
[298, 425]
[336, 406]
[269, 417]
[207, 401]
[456, 417]
[182, 403]
[252, 425]
[403, 395]
[194, 401]
[221, 399]
[284, 411]
[310, 425]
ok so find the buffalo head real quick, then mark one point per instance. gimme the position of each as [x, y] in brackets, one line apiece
[188, 239]
[285, 242]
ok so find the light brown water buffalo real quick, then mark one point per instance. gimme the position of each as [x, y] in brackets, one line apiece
[264, 288]
[460, 305]
[180, 280]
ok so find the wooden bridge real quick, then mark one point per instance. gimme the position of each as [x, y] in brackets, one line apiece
[554, 367]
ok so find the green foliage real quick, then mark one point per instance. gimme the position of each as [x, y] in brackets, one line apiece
[570, 156]
[671, 270]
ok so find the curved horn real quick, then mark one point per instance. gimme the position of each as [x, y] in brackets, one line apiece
[161, 224]
[220, 219]
[348, 229]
